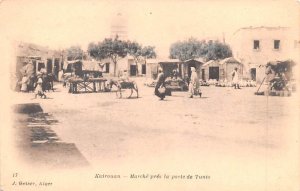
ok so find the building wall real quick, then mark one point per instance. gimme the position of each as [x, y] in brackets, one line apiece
[242, 43]
[225, 70]
[206, 69]
[28, 52]
[152, 70]
[123, 64]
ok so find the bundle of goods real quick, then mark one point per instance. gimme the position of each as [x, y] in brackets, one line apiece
[203, 83]
[150, 83]
[176, 84]
[223, 83]
[279, 75]
[247, 83]
[212, 82]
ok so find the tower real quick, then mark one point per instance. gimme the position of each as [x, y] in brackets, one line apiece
[119, 27]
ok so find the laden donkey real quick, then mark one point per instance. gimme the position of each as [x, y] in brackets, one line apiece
[121, 84]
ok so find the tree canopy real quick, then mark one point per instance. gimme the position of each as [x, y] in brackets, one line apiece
[140, 53]
[114, 49]
[75, 52]
[216, 50]
[148, 52]
[193, 48]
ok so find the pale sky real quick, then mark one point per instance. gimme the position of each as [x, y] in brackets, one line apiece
[60, 24]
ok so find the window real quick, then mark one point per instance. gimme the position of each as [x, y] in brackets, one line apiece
[256, 44]
[144, 69]
[276, 44]
[106, 67]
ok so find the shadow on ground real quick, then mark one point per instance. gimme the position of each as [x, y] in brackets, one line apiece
[38, 144]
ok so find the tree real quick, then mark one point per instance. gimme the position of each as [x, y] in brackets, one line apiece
[74, 53]
[114, 49]
[135, 50]
[95, 51]
[189, 49]
[193, 48]
[217, 50]
[148, 52]
[140, 53]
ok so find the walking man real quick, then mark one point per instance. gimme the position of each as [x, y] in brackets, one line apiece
[160, 89]
[235, 78]
[194, 84]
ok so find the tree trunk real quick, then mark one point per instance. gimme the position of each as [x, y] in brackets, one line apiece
[137, 69]
[115, 68]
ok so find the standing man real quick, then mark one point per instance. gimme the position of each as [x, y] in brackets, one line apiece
[160, 89]
[194, 84]
[24, 83]
[235, 78]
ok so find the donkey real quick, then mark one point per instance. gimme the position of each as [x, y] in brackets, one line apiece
[121, 84]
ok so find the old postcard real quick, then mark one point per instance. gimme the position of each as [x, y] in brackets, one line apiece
[149, 95]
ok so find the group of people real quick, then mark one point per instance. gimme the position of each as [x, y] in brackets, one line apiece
[29, 83]
[194, 85]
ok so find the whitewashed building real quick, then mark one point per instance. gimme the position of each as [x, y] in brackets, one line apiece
[124, 64]
[255, 46]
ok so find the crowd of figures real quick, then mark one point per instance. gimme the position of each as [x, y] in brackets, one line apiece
[38, 83]
[42, 81]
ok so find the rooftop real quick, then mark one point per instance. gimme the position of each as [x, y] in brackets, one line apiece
[259, 28]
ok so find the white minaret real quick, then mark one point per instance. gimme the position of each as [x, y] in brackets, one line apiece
[119, 26]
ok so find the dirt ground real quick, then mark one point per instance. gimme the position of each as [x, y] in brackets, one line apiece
[227, 134]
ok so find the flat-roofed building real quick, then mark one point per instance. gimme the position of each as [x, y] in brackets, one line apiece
[256, 46]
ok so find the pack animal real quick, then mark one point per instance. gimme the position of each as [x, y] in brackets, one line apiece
[120, 84]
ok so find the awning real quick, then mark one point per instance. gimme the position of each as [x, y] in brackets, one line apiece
[66, 63]
[92, 65]
[285, 62]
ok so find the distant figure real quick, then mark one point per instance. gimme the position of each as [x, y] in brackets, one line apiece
[60, 75]
[235, 78]
[39, 89]
[160, 89]
[43, 70]
[194, 84]
[175, 74]
[24, 83]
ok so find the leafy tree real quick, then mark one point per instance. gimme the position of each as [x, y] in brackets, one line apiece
[148, 52]
[114, 49]
[74, 53]
[216, 50]
[184, 50]
[193, 48]
[135, 50]
[140, 53]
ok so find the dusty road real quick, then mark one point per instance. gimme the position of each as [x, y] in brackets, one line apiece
[227, 134]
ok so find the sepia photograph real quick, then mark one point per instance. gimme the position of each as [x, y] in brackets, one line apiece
[150, 95]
